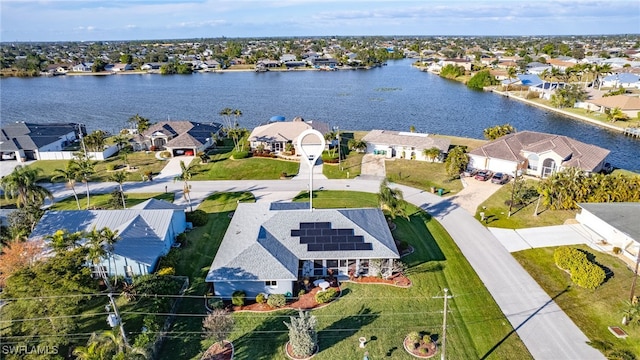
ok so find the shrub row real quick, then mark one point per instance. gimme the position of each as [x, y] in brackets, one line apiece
[584, 273]
[239, 154]
[197, 217]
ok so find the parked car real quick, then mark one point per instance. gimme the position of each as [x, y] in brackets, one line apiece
[500, 178]
[483, 175]
[470, 172]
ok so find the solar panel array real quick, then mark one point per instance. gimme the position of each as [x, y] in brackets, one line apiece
[320, 236]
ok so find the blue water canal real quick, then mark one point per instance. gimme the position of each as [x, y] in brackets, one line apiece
[391, 97]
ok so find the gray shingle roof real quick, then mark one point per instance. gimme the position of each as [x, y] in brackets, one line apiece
[184, 133]
[285, 130]
[258, 244]
[577, 154]
[622, 216]
[31, 136]
[417, 140]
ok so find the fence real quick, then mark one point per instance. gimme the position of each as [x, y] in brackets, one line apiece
[68, 155]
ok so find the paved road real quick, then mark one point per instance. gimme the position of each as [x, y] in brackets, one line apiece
[544, 328]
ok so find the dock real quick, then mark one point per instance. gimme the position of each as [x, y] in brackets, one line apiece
[633, 132]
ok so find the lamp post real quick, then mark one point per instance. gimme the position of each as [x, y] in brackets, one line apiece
[311, 149]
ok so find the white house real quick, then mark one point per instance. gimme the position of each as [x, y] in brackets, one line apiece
[405, 145]
[276, 135]
[623, 80]
[268, 248]
[616, 223]
[537, 154]
[22, 140]
[146, 232]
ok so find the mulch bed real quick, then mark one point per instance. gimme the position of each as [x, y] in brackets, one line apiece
[304, 302]
[219, 352]
[396, 280]
[430, 347]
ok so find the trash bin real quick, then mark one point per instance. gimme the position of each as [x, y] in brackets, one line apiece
[440, 192]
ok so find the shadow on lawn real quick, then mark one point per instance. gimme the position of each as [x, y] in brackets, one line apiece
[497, 345]
[346, 327]
[259, 342]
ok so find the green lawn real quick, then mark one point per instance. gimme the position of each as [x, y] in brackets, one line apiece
[468, 143]
[140, 162]
[101, 201]
[221, 167]
[422, 175]
[496, 211]
[592, 310]
[347, 169]
[383, 314]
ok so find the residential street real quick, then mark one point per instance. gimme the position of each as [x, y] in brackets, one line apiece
[544, 328]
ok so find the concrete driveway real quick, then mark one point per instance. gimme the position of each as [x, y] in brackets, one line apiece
[544, 236]
[7, 166]
[372, 166]
[474, 193]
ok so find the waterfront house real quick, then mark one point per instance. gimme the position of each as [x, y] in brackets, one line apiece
[82, 67]
[405, 145]
[146, 233]
[179, 137]
[537, 154]
[269, 247]
[621, 80]
[616, 224]
[628, 104]
[21, 140]
[275, 136]
[119, 67]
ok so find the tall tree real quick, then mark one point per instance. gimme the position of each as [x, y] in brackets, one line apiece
[391, 200]
[456, 161]
[62, 240]
[16, 255]
[120, 177]
[140, 123]
[70, 174]
[86, 169]
[218, 325]
[431, 153]
[185, 175]
[21, 185]
[100, 245]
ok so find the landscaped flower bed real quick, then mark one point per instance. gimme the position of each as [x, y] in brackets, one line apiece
[420, 345]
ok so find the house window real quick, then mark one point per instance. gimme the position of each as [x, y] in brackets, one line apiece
[533, 162]
[318, 268]
[271, 283]
[128, 271]
[332, 267]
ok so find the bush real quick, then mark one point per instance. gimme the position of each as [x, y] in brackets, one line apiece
[197, 217]
[238, 297]
[301, 292]
[166, 271]
[215, 303]
[617, 250]
[261, 298]
[165, 154]
[326, 296]
[111, 167]
[181, 238]
[584, 273]
[414, 337]
[276, 300]
[239, 154]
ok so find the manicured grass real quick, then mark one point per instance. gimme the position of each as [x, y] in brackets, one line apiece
[101, 201]
[422, 175]
[383, 314]
[140, 162]
[244, 169]
[496, 211]
[347, 169]
[339, 199]
[592, 310]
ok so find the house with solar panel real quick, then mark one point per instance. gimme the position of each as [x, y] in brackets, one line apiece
[269, 247]
[147, 231]
[22, 140]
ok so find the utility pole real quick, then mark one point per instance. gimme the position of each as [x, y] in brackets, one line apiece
[444, 323]
[117, 313]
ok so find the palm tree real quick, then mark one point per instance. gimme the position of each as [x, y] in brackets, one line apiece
[121, 140]
[511, 73]
[185, 176]
[357, 145]
[119, 177]
[85, 170]
[62, 240]
[100, 245]
[431, 153]
[391, 200]
[21, 184]
[70, 174]
[616, 114]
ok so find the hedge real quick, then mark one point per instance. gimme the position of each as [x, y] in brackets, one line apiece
[584, 273]
[239, 154]
[197, 217]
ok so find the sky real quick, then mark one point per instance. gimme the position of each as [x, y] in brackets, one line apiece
[100, 20]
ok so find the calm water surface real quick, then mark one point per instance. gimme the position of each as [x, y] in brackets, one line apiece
[392, 97]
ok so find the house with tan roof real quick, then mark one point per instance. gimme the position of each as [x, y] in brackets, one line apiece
[404, 145]
[629, 104]
[537, 154]
[275, 135]
[180, 137]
